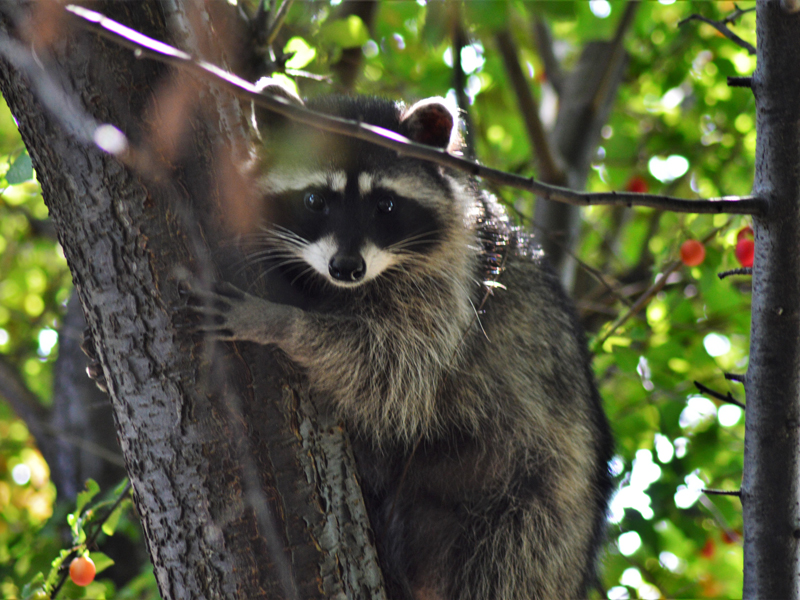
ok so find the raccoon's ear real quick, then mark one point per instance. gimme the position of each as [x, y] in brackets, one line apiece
[432, 122]
[267, 85]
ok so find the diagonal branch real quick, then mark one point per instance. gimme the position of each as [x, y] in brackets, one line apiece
[647, 295]
[722, 27]
[144, 46]
[549, 169]
[617, 53]
[460, 41]
[544, 44]
[709, 392]
[277, 21]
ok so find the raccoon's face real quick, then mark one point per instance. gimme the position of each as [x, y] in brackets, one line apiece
[351, 227]
[347, 211]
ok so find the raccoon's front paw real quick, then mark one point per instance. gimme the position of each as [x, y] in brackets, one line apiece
[209, 312]
[227, 313]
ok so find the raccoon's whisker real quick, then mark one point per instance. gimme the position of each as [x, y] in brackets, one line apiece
[303, 273]
[256, 257]
[414, 240]
[266, 272]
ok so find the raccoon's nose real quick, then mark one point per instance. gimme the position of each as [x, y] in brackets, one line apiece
[347, 268]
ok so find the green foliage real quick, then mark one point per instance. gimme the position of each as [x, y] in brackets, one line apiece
[85, 525]
[665, 537]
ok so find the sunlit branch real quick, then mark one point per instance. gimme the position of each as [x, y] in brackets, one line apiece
[722, 27]
[737, 377]
[736, 493]
[714, 394]
[144, 46]
[742, 271]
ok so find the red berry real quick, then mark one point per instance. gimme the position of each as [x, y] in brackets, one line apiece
[693, 253]
[708, 549]
[636, 184]
[82, 570]
[745, 250]
[745, 232]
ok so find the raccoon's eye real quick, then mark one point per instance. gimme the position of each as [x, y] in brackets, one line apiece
[313, 201]
[386, 204]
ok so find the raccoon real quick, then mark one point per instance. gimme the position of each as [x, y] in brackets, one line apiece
[446, 345]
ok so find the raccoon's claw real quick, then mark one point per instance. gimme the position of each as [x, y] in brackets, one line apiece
[205, 312]
[93, 368]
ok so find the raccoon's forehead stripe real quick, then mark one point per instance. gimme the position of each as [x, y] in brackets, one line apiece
[410, 187]
[365, 183]
[278, 181]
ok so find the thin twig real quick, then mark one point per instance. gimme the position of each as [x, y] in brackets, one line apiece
[144, 46]
[721, 521]
[648, 294]
[742, 271]
[737, 377]
[722, 27]
[744, 82]
[640, 303]
[738, 12]
[277, 21]
[736, 493]
[714, 394]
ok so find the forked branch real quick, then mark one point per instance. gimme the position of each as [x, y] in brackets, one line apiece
[722, 27]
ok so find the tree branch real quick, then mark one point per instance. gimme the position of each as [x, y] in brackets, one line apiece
[647, 295]
[277, 21]
[744, 82]
[549, 169]
[742, 271]
[722, 27]
[709, 392]
[544, 43]
[737, 377]
[736, 493]
[459, 79]
[144, 46]
[617, 51]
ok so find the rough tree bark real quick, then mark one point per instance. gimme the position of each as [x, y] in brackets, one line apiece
[244, 489]
[771, 482]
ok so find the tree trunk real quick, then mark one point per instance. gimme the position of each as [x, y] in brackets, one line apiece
[244, 489]
[771, 482]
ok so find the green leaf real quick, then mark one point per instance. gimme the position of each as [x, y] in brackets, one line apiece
[346, 33]
[85, 497]
[303, 53]
[120, 487]
[33, 586]
[21, 170]
[110, 524]
[101, 561]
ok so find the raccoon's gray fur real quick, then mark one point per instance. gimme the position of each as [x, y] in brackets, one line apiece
[447, 346]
